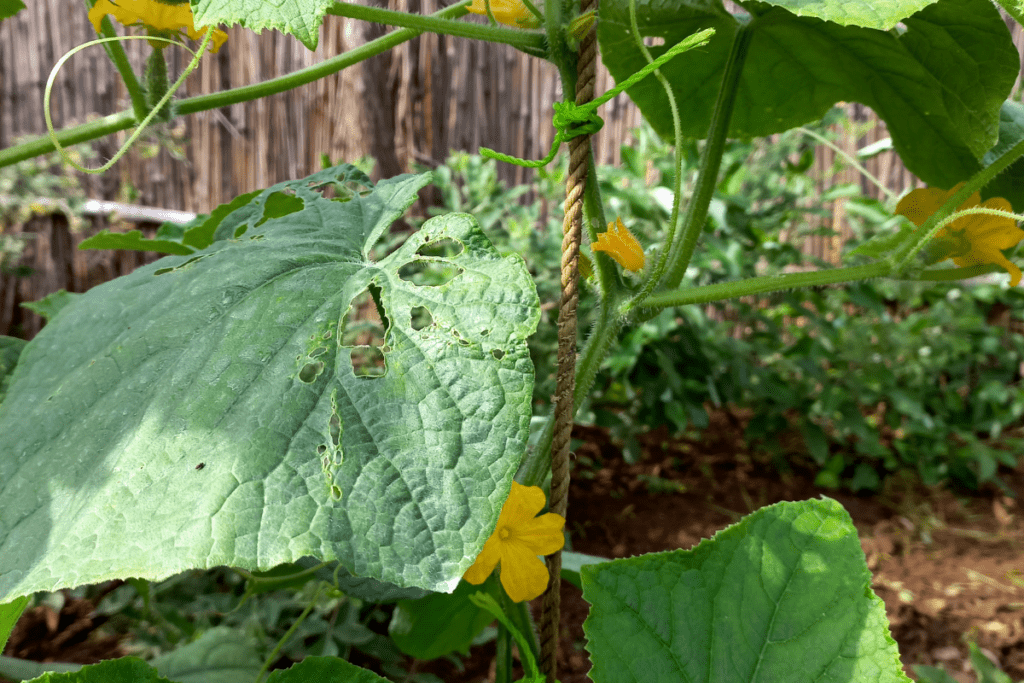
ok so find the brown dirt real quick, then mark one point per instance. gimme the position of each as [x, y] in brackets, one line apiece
[949, 565]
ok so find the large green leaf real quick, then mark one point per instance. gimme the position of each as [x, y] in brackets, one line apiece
[300, 18]
[204, 411]
[866, 13]
[10, 351]
[1010, 183]
[938, 85]
[783, 595]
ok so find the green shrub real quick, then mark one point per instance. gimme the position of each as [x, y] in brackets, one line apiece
[875, 377]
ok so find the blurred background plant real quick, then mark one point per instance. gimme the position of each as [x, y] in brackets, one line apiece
[37, 187]
[857, 382]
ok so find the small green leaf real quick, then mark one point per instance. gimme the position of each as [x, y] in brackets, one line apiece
[986, 670]
[123, 670]
[573, 562]
[10, 351]
[8, 8]
[932, 674]
[9, 615]
[783, 595]
[885, 243]
[324, 669]
[133, 240]
[51, 304]
[300, 18]
[440, 623]
[219, 654]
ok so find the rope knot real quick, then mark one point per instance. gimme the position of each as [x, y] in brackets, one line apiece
[572, 120]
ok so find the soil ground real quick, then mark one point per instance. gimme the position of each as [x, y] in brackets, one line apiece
[949, 565]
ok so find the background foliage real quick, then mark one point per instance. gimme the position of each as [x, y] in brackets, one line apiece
[872, 378]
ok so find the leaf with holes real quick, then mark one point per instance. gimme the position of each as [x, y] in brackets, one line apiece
[242, 357]
[783, 595]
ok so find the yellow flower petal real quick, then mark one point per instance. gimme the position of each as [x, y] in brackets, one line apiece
[619, 243]
[518, 538]
[155, 15]
[508, 12]
[523, 575]
[485, 563]
[986, 235]
[543, 535]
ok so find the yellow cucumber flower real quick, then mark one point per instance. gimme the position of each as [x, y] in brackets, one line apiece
[619, 243]
[517, 540]
[508, 12]
[983, 236]
[155, 15]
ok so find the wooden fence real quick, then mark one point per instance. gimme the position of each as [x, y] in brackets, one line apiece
[415, 103]
[426, 97]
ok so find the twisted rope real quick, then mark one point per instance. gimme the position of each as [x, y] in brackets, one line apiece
[579, 155]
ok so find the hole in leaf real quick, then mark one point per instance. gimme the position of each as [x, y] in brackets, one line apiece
[335, 427]
[321, 449]
[162, 271]
[445, 247]
[278, 204]
[484, 332]
[335, 492]
[363, 330]
[498, 354]
[420, 317]
[429, 273]
[310, 371]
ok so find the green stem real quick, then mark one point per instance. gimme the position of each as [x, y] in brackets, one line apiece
[681, 252]
[654, 276]
[536, 467]
[761, 285]
[609, 278]
[526, 41]
[519, 614]
[559, 52]
[152, 114]
[124, 120]
[119, 59]
[503, 656]
[850, 159]
[291, 631]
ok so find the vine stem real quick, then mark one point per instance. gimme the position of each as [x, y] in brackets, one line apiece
[681, 251]
[123, 120]
[120, 61]
[529, 42]
[145, 121]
